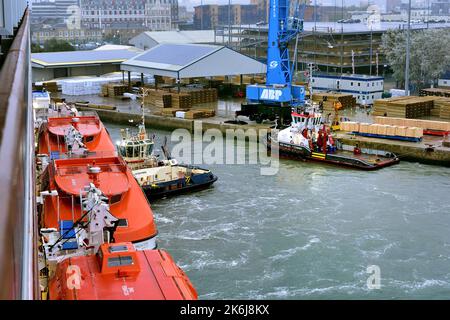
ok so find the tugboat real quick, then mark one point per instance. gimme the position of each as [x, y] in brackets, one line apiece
[160, 178]
[119, 272]
[309, 139]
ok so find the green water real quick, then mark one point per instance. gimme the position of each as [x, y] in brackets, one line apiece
[311, 231]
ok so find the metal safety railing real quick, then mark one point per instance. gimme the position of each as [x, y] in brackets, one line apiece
[18, 251]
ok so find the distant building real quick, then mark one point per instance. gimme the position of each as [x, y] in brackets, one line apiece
[393, 6]
[209, 16]
[366, 89]
[148, 40]
[125, 14]
[440, 7]
[61, 32]
[46, 10]
[444, 81]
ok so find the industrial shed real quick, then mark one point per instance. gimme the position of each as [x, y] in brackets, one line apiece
[50, 65]
[150, 39]
[193, 61]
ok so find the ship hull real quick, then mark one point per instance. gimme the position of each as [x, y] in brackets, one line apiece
[338, 158]
[178, 187]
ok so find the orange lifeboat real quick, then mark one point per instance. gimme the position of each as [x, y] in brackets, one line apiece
[94, 136]
[119, 272]
[67, 180]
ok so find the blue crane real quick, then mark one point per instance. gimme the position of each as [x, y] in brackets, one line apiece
[264, 101]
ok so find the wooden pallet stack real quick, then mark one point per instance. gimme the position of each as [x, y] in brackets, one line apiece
[424, 124]
[116, 90]
[194, 114]
[328, 100]
[197, 96]
[437, 92]
[203, 96]
[50, 86]
[443, 106]
[104, 92]
[181, 100]
[159, 99]
[404, 107]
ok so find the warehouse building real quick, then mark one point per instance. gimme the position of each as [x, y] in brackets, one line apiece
[150, 39]
[51, 65]
[183, 61]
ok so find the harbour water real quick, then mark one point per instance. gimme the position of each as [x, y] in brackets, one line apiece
[311, 232]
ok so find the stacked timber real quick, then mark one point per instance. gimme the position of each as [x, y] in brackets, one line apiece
[207, 113]
[383, 129]
[350, 126]
[199, 113]
[198, 96]
[171, 112]
[328, 100]
[203, 96]
[194, 114]
[104, 91]
[159, 99]
[404, 107]
[116, 90]
[50, 86]
[424, 124]
[181, 100]
[442, 105]
[437, 92]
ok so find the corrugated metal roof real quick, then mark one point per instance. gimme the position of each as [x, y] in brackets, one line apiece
[176, 54]
[192, 60]
[71, 58]
[193, 36]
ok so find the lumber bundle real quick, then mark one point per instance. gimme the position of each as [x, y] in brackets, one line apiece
[198, 96]
[442, 106]
[181, 100]
[404, 107]
[328, 100]
[383, 129]
[113, 90]
[116, 90]
[170, 112]
[159, 99]
[350, 126]
[50, 86]
[199, 113]
[424, 124]
[437, 92]
[203, 96]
